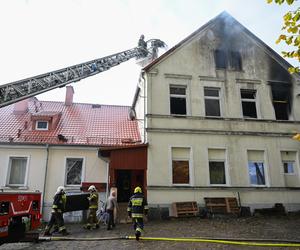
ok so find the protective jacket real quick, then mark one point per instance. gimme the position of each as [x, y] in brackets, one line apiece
[93, 200]
[137, 206]
[59, 203]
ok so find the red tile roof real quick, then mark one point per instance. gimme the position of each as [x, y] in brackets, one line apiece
[83, 124]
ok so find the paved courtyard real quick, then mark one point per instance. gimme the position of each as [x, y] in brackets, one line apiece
[287, 227]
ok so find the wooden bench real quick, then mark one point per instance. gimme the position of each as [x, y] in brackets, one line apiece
[183, 209]
[223, 205]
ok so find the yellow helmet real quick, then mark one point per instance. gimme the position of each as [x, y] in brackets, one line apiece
[137, 190]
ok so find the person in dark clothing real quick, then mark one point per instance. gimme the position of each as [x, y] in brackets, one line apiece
[143, 46]
[137, 207]
[58, 207]
[111, 206]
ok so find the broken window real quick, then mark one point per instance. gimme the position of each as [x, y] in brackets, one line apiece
[220, 59]
[235, 60]
[288, 161]
[217, 172]
[17, 171]
[212, 101]
[228, 59]
[74, 171]
[281, 100]
[180, 165]
[248, 98]
[178, 100]
[256, 173]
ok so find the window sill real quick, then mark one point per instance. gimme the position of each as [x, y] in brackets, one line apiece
[14, 187]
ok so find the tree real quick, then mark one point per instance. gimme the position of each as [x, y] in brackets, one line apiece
[291, 26]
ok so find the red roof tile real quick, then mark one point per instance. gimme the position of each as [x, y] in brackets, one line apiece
[84, 124]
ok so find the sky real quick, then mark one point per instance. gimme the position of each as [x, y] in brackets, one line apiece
[39, 36]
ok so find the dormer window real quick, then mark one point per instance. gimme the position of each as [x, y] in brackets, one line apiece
[41, 125]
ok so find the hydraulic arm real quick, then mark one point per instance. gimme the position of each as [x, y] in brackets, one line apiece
[22, 89]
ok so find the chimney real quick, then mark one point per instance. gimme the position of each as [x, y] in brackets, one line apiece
[21, 107]
[69, 95]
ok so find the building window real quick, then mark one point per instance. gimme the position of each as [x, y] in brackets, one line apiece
[41, 125]
[281, 100]
[288, 167]
[228, 59]
[74, 170]
[217, 172]
[257, 173]
[180, 166]
[216, 164]
[235, 60]
[248, 98]
[17, 171]
[212, 101]
[288, 159]
[178, 100]
[220, 59]
[180, 172]
[256, 167]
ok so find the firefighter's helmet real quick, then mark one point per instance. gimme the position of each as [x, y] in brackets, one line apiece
[60, 189]
[137, 190]
[92, 188]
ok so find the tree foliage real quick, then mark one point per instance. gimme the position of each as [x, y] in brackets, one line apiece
[291, 29]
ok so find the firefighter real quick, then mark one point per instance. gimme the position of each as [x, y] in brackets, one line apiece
[143, 46]
[137, 207]
[92, 222]
[58, 207]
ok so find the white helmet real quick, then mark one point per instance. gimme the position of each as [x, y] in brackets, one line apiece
[92, 188]
[60, 189]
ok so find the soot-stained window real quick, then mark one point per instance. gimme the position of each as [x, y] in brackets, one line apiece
[281, 94]
[228, 59]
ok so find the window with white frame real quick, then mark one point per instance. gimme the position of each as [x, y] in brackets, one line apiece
[17, 171]
[181, 166]
[248, 98]
[178, 100]
[212, 101]
[41, 125]
[216, 164]
[74, 170]
[288, 159]
[256, 167]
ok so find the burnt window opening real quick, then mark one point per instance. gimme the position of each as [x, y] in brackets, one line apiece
[248, 98]
[212, 101]
[228, 59]
[220, 59]
[235, 60]
[178, 100]
[281, 101]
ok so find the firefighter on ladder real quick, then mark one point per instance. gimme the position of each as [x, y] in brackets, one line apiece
[58, 207]
[93, 222]
[137, 207]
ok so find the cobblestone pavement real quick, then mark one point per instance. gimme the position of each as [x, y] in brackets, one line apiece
[287, 227]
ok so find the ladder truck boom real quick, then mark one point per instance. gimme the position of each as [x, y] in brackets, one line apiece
[23, 89]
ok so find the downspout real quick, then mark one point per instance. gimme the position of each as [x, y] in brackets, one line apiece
[45, 178]
[145, 97]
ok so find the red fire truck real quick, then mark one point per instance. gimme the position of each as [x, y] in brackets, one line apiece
[19, 213]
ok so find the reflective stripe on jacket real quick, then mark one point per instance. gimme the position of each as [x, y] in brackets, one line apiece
[137, 205]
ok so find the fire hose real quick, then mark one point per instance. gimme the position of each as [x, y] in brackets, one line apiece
[236, 241]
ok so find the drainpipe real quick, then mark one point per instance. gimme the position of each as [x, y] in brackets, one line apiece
[45, 178]
[144, 83]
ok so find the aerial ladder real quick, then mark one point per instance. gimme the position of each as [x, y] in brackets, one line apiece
[23, 89]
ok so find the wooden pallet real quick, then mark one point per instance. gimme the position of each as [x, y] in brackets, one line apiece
[223, 205]
[183, 209]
